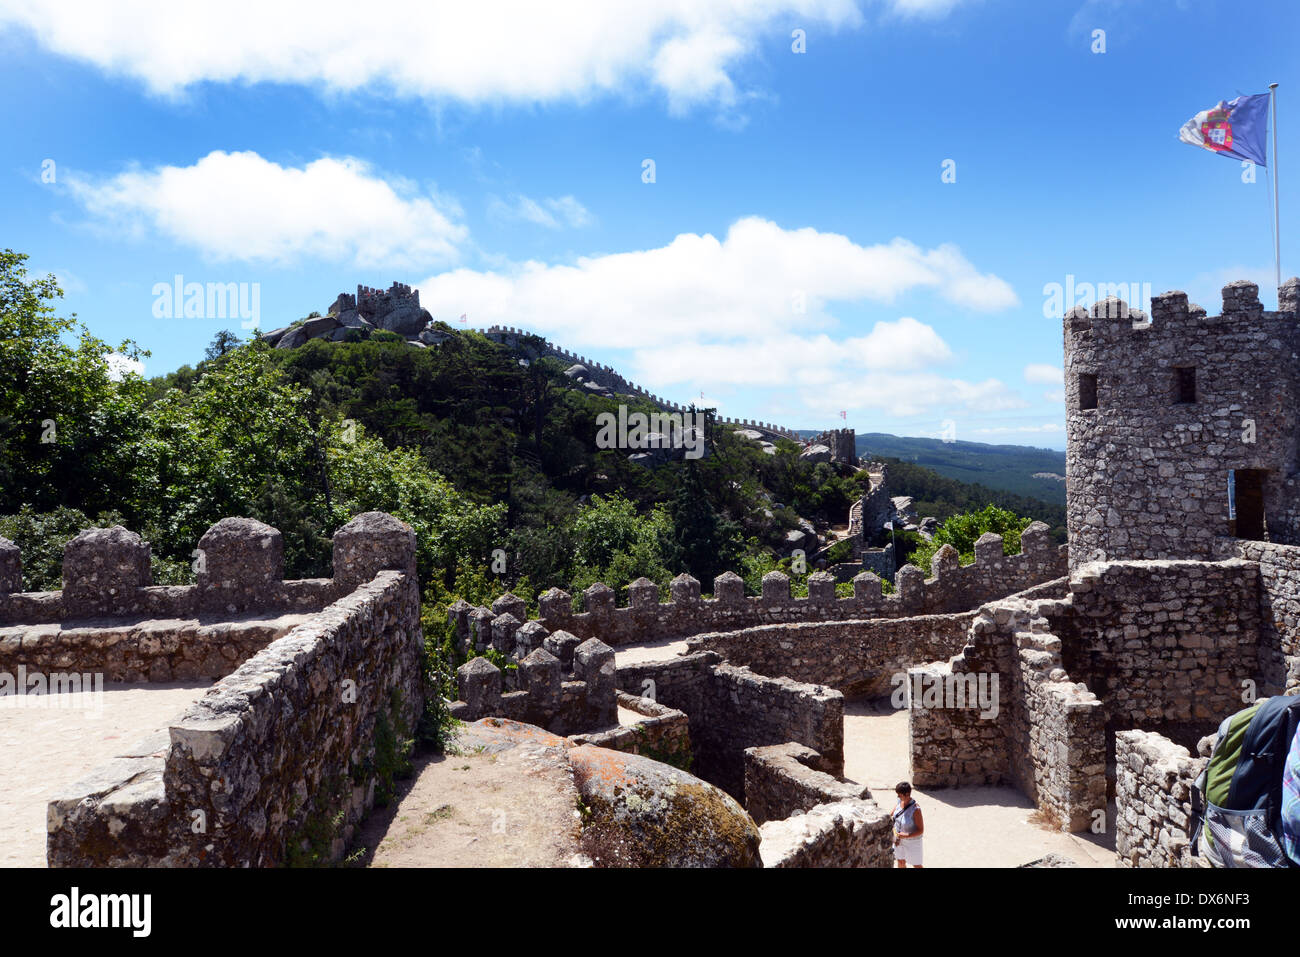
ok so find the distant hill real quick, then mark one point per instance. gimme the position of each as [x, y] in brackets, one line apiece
[1020, 469]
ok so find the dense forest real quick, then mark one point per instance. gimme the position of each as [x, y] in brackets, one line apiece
[487, 452]
[1018, 469]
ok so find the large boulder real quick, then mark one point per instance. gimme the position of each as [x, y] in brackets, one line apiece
[407, 320]
[816, 453]
[320, 326]
[641, 813]
[292, 339]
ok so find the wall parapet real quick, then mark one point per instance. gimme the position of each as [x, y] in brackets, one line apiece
[850, 833]
[287, 738]
[239, 568]
[587, 701]
[952, 588]
[1155, 806]
[286, 741]
[784, 779]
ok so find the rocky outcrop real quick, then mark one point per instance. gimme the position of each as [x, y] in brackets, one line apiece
[396, 309]
[641, 813]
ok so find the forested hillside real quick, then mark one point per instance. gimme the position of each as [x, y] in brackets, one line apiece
[1018, 469]
[488, 453]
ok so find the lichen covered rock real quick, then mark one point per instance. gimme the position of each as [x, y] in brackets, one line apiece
[641, 813]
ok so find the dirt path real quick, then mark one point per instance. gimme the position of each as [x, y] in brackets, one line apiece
[45, 749]
[964, 827]
[484, 804]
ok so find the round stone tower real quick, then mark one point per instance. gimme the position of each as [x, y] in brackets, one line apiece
[1164, 414]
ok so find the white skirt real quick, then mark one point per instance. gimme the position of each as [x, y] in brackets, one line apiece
[908, 850]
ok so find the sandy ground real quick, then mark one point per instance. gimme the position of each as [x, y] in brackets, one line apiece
[43, 750]
[516, 807]
[964, 827]
[648, 651]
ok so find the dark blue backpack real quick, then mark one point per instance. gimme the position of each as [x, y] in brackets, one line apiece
[1241, 789]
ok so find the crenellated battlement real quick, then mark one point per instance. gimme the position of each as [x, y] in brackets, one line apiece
[1159, 411]
[951, 587]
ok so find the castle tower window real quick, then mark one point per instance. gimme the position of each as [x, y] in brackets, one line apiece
[1087, 390]
[1184, 386]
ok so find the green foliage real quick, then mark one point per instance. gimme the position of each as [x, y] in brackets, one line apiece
[393, 749]
[311, 843]
[69, 423]
[704, 543]
[962, 531]
[440, 661]
[1007, 469]
[615, 545]
[942, 497]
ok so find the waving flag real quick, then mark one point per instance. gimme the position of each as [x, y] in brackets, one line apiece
[1237, 128]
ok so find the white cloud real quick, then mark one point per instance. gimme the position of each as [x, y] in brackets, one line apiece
[486, 51]
[1041, 373]
[905, 344]
[239, 206]
[552, 212]
[923, 8]
[750, 285]
[752, 310]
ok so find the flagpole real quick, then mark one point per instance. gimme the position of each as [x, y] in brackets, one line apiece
[1277, 238]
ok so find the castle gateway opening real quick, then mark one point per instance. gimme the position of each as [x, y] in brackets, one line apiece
[1246, 503]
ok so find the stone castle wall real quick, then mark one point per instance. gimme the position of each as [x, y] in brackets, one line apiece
[951, 588]
[1159, 646]
[784, 779]
[1279, 614]
[731, 709]
[1168, 645]
[1155, 808]
[280, 748]
[850, 833]
[1147, 474]
[106, 574]
[563, 699]
[854, 657]
[1046, 734]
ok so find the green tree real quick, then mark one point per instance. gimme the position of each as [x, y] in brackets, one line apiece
[69, 415]
[705, 544]
[962, 531]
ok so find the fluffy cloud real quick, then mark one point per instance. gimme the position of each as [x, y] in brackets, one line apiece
[552, 212]
[1040, 373]
[759, 282]
[752, 310]
[239, 206]
[483, 52]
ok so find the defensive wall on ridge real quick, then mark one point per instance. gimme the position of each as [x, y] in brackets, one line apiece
[952, 587]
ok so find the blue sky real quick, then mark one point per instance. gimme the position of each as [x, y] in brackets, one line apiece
[798, 252]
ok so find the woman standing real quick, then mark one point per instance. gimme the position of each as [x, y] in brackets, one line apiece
[908, 827]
